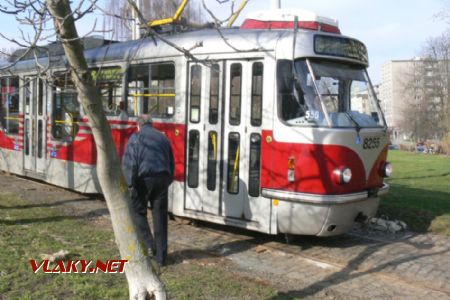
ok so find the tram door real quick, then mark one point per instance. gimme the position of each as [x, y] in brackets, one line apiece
[204, 138]
[242, 139]
[224, 138]
[34, 95]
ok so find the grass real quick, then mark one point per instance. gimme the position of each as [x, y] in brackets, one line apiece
[420, 196]
[420, 192]
[27, 230]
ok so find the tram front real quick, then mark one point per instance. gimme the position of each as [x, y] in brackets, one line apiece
[324, 162]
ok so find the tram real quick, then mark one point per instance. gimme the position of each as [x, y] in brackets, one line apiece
[275, 125]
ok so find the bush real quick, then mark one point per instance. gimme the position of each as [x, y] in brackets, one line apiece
[445, 144]
[407, 147]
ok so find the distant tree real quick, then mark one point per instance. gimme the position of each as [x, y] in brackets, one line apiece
[120, 18]
[5, 53]
[426, 88]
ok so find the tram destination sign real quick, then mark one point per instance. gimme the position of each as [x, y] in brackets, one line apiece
[340, 46]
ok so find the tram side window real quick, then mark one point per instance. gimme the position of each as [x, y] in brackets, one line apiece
[236, 94]
[257, 93]
[196, 93]
[211, 168]
[233, 163]
[66, 109]
[214, 90]
[9, 105]
[194, 158]
[289, 106]
[254, 169]
[151, 90]
[109, 83]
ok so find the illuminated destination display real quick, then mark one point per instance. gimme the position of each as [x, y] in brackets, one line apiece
[339, 46]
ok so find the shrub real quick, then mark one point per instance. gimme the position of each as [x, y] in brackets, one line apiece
[445, 144]
[407, 147]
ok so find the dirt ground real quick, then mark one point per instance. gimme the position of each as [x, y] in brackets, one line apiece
[360, 265]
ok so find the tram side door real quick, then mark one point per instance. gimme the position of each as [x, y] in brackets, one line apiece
[204, 129]
[242, 139]
[35, 127]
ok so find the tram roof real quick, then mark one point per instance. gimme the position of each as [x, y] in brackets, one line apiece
[201, 42]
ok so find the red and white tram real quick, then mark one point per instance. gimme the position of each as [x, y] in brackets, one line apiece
[274, 129]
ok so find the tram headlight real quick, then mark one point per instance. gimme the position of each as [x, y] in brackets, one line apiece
[386, 169]
[346, 175]
[342, 175]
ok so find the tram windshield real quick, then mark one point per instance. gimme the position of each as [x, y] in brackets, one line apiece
[330, 94]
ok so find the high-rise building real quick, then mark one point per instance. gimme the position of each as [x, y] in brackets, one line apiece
[411, 92]
[392, 93]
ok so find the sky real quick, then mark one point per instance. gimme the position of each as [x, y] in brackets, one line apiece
[391, 29]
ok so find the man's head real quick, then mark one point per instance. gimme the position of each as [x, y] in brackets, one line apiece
[144, 119]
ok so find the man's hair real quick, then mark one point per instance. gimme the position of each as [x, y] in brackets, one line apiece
[144, 119]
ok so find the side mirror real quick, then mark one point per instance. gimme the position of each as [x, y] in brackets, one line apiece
[285, 78]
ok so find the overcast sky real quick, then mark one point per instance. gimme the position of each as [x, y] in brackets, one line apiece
[391, 29]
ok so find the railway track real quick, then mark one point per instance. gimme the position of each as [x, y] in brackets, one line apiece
[410, 267]
[351, 266]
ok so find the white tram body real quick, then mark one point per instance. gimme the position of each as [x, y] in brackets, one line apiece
[273, 129]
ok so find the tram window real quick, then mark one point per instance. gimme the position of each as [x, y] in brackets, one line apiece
[193, 163]
[40, 147]
[151, 90]
[214, 87]
[109, 83]
[235, 94]
[233, 163]
[196, 91]
[290, 107]
[138, 77]
[40, 97]
[66, 109]
[254, 165]
[257, 91]
[9, 105]
[212, 161]
[27, 96]
[27, 137]
[362, 106]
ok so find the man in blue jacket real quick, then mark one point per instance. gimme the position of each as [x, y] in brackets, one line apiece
[148, 167]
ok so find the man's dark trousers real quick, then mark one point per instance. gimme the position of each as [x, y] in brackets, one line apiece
[153, 190]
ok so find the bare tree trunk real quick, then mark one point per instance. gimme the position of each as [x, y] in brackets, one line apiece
[141, 278]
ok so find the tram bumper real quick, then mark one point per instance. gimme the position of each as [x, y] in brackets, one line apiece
[322, 215]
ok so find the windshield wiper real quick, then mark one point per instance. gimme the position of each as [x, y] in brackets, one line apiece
[357, 127]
